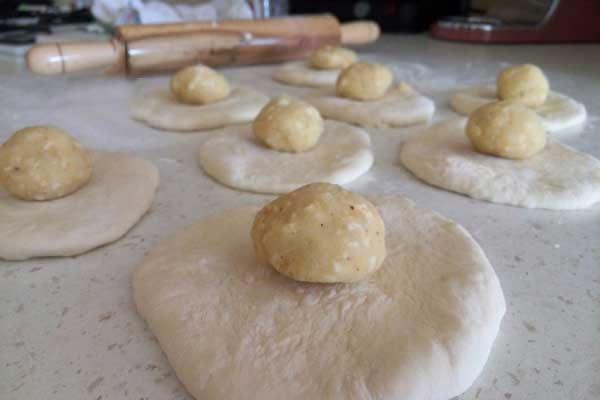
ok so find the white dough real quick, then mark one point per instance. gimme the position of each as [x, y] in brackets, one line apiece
[420, 328]
[558, 113]
[557, 178]
[300, 73]
[118, 194]
[160, 110]
[396, 108]
[239, 160]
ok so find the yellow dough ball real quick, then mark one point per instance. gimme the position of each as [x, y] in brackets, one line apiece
[524, 83]
[403, 88]
[507, 129]
[199, 84]
[332, 57]
[320, 233]
[288, 124]
[364, 81]
[43, 163]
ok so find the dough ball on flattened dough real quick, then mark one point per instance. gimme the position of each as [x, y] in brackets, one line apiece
[332, 57]
[199, 84]
[238, 160]
[525, 83]
[302, 73]
[288, 124]
[403, 88]
[401, 106]
[43, 163]
[159, 109]
[320, 233]
[364, 81]
[420, 328]
[558, 178]
[559, 114]
[506, 129]
[119, 193]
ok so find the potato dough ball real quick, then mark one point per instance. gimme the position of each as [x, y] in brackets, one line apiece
[507, 129]
[288, 124]
[332, 57]
[320, 233]
[403, 88]
[199, 84]
[364, 81]
[43, 163]
[524, 83]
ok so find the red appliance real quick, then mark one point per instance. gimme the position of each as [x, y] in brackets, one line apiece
[564, 21]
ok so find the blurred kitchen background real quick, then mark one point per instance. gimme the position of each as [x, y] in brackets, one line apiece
[23, 23]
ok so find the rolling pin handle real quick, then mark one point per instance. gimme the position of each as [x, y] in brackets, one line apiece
[359, 32]
[59, 58]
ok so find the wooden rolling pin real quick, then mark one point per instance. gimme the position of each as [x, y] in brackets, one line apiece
[139, 49]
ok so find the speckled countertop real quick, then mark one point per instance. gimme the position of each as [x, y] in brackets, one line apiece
[68, 326]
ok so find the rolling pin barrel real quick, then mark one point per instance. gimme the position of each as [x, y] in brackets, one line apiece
[360, 32]
[59, 58]
[319, 25]
[143, 49]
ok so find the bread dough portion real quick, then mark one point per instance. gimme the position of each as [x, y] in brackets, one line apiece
[558, 113]
[160, 110]
[506, 129]
[332, 57]
[523, 83]
[557, 178]
[199, 84]
[364, 81]
[396, 108]
[320, 233]
[43, 163]
[119, 193]
[421, 327]
[288, 124]
[300, 73]
[239, 160]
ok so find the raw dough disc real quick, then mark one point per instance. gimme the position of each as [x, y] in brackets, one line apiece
[557, 178]
[341, 155]
[558, 113]
[302, 74]
[421, 327]
[160, 110]
[394, 109]
[120, 191]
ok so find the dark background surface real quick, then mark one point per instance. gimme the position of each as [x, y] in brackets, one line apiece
[392, 15]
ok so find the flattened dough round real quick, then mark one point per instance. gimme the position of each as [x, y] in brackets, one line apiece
[160, 110]
[342, 154]
[557, 178]
[119, 193]
[421, 327]
[396, 108]
[300, 73]
[558, 113]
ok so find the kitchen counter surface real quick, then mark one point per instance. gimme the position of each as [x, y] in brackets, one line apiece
[68, 326]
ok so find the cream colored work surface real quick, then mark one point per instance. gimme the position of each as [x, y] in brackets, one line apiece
[342, 154]
[160, 110]
[300, 73]
[394, 109]
[558, 113]
[120, 191]
[420, 328]
[558, 178]
[69, 326]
